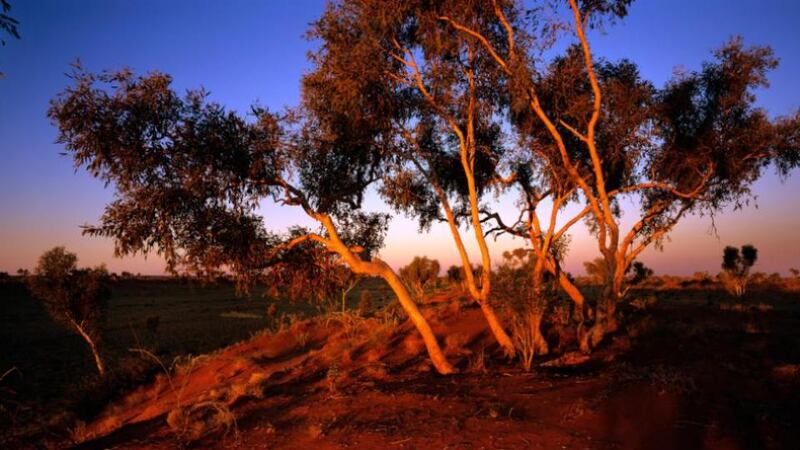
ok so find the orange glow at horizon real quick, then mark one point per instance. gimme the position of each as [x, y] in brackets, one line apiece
[692, 246]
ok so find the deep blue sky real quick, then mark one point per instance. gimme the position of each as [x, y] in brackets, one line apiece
[254, 51]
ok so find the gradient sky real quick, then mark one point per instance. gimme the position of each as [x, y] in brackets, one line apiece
[254, 51]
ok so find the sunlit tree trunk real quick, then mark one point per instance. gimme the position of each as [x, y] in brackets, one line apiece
[467, 151]
[537, 310]
[432, 345]
[376, 267]
[479, 294]
[93, 347]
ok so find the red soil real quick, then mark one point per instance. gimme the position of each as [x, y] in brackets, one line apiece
[678, 377]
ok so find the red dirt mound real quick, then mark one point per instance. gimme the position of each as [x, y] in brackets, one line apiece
[681, 378]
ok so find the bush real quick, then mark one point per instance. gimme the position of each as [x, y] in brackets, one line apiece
[455, 276]
[513, 285]
[420, 275]
[638, 273]
[736, 266]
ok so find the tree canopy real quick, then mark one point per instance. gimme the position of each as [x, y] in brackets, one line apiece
[436, 105]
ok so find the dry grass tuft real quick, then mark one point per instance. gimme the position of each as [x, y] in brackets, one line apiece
[202, 419]
[477, 362]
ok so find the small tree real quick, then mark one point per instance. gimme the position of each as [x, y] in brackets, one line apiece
[76, 298]
[420, 275]
[736, 266]
[454, 276]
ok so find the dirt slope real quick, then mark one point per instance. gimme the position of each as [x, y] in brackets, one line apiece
[679, 377]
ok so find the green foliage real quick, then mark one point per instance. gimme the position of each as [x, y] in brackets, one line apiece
[371, 118]
[8, 24]
[190, 177]
[187, 172]
[514, 285]
[717, 105]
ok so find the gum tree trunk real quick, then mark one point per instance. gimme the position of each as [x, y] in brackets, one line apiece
[606, 313]
[93, 347]
[376, 267]
[431, 344]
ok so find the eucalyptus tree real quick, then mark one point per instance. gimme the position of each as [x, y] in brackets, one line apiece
[694, 146]
[189, 177]
[394, 67]
[538, 173]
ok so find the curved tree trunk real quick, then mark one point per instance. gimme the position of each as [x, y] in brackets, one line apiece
[376, 267]
[480, 296]
[434, 350]
[97, 360]
[577, 298]
[574, 294]
[497, 329]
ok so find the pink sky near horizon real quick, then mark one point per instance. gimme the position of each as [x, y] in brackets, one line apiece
[771, 226]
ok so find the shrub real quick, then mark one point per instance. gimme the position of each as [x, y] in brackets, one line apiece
[420, 275]
[736, 266]
[638, 273]
[309, 271]
[454, 276]
[513, 285]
